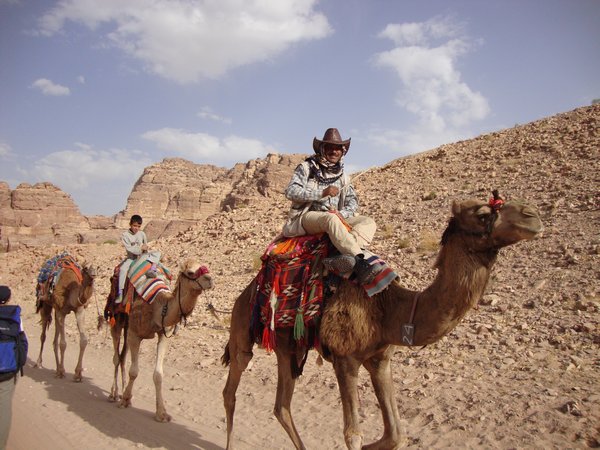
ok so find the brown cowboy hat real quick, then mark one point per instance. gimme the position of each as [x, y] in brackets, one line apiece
[331, 136]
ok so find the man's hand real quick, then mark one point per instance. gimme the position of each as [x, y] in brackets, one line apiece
[144, 247]
[331, 191]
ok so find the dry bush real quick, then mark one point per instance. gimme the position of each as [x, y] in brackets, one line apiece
[428, 241]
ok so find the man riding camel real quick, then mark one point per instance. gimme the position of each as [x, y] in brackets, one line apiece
[324, 201]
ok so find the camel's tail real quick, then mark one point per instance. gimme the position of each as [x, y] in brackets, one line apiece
[226, 358]
[45, 311]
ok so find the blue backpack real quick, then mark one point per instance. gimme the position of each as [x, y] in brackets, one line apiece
[13, 342]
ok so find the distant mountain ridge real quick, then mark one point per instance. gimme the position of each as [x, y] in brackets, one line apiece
[172, 195]
[545, 158]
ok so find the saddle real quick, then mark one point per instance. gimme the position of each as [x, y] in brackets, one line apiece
[137, 281]
[291, 289]
[50, 274]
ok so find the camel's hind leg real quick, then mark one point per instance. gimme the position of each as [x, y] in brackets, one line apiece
[381, 375]
[134, 348]
[238, 361]
[119, 355]
[46, 319]
[59, 347]
[83, 341]
[238, 353]
[285, 391]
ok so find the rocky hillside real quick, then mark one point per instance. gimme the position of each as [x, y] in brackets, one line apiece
[42, 214]
[173, 195]
[525, 364]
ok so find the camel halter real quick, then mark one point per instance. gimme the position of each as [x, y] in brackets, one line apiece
[203, 270]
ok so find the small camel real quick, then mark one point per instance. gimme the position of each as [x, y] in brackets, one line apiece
[160, 317]
[357, 330]
[69, 295]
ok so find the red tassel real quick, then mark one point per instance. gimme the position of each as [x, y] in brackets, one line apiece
[268, 339]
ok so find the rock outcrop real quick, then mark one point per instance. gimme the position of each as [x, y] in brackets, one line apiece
[176, 194]
[172, 196]
[38, 215]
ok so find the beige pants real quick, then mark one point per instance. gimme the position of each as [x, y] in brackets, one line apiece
[348, 243]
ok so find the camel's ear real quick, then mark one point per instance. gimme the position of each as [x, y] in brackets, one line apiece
[456, 207]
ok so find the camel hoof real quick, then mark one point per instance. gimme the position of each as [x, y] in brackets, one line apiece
[113, 398]
[59, 375]
[163, 417]
[354, 442]
[77, 378]
[124, 403]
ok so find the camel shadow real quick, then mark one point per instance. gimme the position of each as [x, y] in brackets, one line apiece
[138, 426]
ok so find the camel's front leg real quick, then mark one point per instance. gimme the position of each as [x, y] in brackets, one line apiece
[346, 371]
[133, 341]
[83, 341]
[161, 350]
[285, 391]
[381, 375]
[59, 333]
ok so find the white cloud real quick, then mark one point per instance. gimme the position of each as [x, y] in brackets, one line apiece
[425, 60]
[5, 149]
[98, 180]
[414, 140]
[204, 148]
[188, 40]
[81, 79]
[79, 169]
[47, 87]
[207, 113]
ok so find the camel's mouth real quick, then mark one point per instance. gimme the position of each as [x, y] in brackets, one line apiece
[530, 222]
[523, 219]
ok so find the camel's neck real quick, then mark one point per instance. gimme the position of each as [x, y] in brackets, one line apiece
[460, 283]
[179, 304]
[87, 288]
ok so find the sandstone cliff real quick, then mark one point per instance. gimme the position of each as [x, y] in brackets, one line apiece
[172, 196]
[38, 215]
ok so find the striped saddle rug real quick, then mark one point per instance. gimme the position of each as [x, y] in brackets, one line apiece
[146, 287]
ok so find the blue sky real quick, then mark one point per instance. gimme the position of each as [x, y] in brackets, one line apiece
[93, 91]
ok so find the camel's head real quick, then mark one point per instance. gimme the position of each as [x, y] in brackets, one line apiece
[495, 224]
[193, 270]
[91, 271]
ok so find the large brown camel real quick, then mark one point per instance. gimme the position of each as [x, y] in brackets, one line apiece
[158, 318]
[357, 330]
[70, 295]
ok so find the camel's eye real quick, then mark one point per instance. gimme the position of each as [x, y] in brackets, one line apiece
[482, 216]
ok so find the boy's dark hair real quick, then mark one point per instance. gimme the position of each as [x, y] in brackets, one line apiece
[4, 294]
[135, 219]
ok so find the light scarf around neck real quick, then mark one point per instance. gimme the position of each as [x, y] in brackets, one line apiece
[325, 171]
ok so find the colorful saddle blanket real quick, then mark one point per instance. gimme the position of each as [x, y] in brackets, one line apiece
[50, 273]
[289, 287]
[146, 287]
